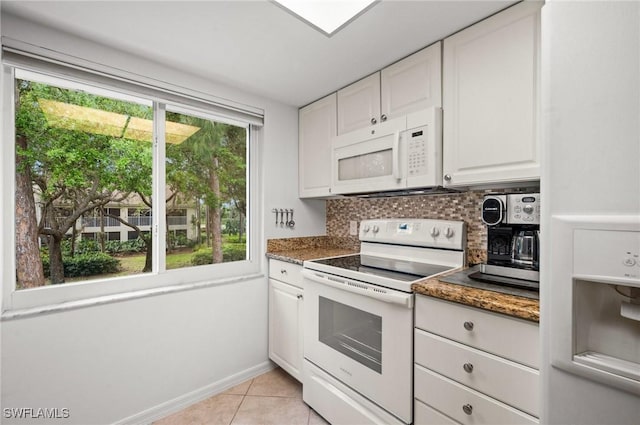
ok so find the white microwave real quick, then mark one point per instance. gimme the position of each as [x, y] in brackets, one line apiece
[398, 154]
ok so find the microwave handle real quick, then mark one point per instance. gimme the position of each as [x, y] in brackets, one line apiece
[396, 156]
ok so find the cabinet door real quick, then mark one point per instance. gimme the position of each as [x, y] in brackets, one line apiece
[491, 98]
[413, 83]
[317, 127]
[285, 327]
[359, 104]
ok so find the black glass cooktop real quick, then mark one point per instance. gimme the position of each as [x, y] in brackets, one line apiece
[406, 271]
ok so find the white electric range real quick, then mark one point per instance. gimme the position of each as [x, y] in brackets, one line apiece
[358, 320]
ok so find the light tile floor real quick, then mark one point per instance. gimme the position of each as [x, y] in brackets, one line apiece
[271, 398]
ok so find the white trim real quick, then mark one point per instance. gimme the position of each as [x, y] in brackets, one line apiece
[164, 409]
[124, 296]
[7, 200]
[32, 57]
[158, 231]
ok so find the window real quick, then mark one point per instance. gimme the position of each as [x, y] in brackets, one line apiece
[91, 164]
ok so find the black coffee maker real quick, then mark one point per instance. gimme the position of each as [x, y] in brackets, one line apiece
[513, 239]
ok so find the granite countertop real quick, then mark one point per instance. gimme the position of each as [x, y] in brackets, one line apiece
[512, 305]
[298, 256]
[298, 250]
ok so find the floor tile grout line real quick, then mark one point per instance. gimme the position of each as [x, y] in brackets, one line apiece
[237, 409]
[274, 396]
[244, 396]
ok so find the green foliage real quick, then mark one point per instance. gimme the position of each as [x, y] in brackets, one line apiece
[230, 252]
[202, 257]
[234, 252]
[125, 247]
[88, 264]
[180, 241]
[83, 246]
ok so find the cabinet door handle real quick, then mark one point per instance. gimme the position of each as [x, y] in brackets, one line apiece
[468, 367]
[447, 177]
[300, 296]
[383, 118]
[468, 326]
[467, 408]
[374, 121]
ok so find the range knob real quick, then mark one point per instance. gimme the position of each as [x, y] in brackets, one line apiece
[434, 232]
[449, 232]
[528, 209]
[375, 228]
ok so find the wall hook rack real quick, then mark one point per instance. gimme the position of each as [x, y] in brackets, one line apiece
[284, 217]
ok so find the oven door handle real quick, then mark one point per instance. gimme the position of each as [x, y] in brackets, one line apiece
[378, 293]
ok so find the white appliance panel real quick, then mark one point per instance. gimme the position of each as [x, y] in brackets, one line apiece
[591, 122]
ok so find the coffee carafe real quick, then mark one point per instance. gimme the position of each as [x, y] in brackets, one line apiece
[524, 248]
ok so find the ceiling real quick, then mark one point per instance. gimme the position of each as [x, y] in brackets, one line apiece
[256, 45]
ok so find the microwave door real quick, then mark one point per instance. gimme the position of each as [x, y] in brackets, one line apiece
[368, 165]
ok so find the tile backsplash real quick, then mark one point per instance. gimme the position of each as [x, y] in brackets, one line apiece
[465, 206]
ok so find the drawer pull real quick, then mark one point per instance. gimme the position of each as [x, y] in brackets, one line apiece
[468, 367]
[468, 326]
[467, 408]
[299, 296]
[283, 271]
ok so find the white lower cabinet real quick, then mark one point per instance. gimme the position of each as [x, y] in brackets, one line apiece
[466, 370]
[286, 298]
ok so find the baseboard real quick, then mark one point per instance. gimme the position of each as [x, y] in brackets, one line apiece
[183, 401]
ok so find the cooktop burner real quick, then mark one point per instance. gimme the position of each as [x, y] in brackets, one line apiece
[396, 253]
[406, 271]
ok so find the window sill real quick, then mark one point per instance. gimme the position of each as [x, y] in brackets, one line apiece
[127, 296]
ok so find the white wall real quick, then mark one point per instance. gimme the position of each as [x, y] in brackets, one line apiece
[112, 362]
[281, 190]
[115, 361]
[591, 119]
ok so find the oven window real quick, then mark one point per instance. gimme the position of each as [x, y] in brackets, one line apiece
[355, 333]
[375, 164]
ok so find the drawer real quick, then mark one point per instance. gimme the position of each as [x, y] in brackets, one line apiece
[509, 382]
[504, 336]
[452, 399]
[425, 415]
[286, 272]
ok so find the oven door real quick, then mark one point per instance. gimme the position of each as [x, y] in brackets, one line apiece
[369, 160]
[361, 334]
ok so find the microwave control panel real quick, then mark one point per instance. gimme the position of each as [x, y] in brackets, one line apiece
[416, 152]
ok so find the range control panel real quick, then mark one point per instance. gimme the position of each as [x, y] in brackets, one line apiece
[447, 234]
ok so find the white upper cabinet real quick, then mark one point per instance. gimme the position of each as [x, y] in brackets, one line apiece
[409, 85]
[491, 80]
[317, 127]
[359, 104]
[412, 84]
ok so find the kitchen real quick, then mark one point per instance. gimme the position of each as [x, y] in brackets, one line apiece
[577, 113]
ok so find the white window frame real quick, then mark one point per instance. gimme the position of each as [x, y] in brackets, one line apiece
[16, 303]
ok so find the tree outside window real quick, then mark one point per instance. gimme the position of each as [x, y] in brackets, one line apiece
[84, 204]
